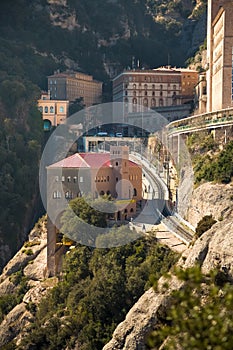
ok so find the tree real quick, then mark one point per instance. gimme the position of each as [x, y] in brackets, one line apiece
[84, 216]
[200, 316]
[204, 224]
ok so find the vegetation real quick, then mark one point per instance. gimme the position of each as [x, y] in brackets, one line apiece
[9, 301]
[210, 164]
[204, 224]
[99, 286]
[200, 316]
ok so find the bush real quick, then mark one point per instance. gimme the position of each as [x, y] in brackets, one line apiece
[204, 224]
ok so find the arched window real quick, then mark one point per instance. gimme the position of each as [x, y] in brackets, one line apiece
[174, 87]
[51, 109]
[135, 192]
[108, 178]
[101, 193]
[161, 102]
[134, 93]
[131, 210]
[108, 193]
[145, 86]
[161, 87]
[134, 86]
[153, 102]
[41, 109]
[134, 101]
[46, 109]
[145, 102]
[153, 86]
[61, 109]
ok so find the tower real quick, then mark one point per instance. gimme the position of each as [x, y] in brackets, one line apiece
[219, 55]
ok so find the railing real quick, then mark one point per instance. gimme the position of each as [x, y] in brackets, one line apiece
[202, 121]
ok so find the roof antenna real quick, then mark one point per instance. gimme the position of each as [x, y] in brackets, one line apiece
[133, 62]
[168, 60]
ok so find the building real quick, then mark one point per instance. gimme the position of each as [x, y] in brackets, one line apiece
[219, 55]
[73, 85]
[54, 112]
[200, 99]
[161, 87]
[93, 174]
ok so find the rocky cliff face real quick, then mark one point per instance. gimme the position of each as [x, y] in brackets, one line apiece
[29, 265]
[213, 250]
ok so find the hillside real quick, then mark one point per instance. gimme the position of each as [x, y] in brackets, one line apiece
[98, 37]
[99, 287]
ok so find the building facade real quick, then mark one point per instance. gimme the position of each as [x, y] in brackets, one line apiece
[73, 85]
[219, 55]
[54, 112]
[161, 87]
[92, 174]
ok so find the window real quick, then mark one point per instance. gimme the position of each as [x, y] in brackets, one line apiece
[153, 86]
[108, 178]
[135, 192]
[161, 102]
[56, 178]
[145, 86]
[63, 178]
[69, 178]
[116, 179]
[153, 93]
[75, 178]
[116, 163]
[56, 194]
[46, 109]
[134, 86]
[145, 102]
[41, 109]
[81, 179]
[101, 193]
[161, 87]
[174, 87]
[61, 109]
[153, 102]
[51, 109]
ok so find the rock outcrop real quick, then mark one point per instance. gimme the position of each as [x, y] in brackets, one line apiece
[214, 249]
[27, 266]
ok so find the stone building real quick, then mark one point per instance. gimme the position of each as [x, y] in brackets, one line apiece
[219, 55]
[54, 112]
[71, 85]
[92, 174]
[162, 87]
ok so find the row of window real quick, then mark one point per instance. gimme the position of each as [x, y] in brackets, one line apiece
[69, 178]
[161, 87]
[51, 109]
[69, 194]
[135, 93]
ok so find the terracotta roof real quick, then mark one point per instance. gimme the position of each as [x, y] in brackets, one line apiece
[86, 160]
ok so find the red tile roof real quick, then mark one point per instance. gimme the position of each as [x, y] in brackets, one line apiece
[86, 160]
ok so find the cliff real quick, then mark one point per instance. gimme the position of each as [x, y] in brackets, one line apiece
[23, 284]
[214, 249]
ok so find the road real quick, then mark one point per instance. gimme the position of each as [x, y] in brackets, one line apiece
[157, 209]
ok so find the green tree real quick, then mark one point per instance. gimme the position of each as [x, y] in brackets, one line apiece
[200, 316]
[204, 224]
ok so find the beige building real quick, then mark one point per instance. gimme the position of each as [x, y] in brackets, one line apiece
[72, 85]
[219, 55]
[93, 174]
[161, 87]
[54, 112]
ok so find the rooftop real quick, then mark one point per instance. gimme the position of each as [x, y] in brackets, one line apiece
[86, 160]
